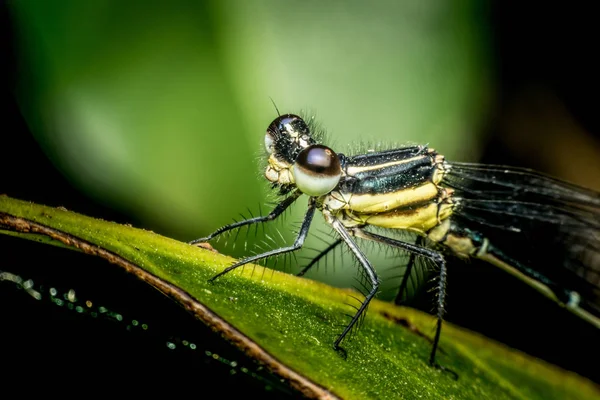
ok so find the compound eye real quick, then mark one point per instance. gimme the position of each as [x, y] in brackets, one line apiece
[317, 170]
[288, 124]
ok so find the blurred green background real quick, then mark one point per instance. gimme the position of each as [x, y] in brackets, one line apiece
[154, 112]
[158, 109]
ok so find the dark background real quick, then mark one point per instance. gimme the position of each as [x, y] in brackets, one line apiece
[546, 78]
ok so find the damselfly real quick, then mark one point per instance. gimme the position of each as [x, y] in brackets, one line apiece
[502, 215]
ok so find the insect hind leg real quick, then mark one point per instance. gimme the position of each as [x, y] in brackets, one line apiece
[440, 262]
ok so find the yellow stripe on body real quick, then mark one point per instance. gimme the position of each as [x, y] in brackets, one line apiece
[419, 219]
[353, 170]
[374, 203]
[400, 198]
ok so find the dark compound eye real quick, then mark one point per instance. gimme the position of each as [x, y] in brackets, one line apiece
[287, 127]
[289, 124]
[317, 170]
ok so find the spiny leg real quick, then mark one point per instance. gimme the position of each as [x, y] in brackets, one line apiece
[369, 271]
[411, 262]
[297, 243]
[322, 254]
[277, 211]
[438, 259]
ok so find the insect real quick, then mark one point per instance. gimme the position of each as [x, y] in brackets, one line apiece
[502, 215]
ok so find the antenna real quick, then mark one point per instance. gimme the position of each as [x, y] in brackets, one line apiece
[275, 105]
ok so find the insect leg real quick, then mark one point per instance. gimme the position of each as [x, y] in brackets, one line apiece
[362, 259]
[277, 211]
[297, 243]
[439, 260]
[322, 254]
[411, 262]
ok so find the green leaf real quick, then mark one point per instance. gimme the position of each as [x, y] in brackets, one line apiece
[289, 323]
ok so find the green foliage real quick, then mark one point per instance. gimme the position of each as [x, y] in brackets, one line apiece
[295, 320]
